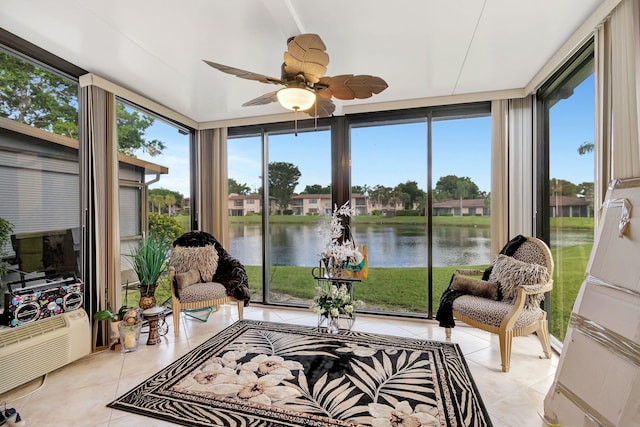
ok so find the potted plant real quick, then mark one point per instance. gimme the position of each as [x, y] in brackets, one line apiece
[103, 315]
[6, 228]
[149, 260]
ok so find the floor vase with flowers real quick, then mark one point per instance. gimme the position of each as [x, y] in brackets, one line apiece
[334, 304]
[335, 323]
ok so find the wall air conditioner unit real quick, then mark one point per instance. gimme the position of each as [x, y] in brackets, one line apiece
[34, 349]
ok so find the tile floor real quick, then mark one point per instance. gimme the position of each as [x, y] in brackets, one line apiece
[77, 394]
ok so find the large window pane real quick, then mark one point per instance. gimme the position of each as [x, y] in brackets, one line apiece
[299, 186]
[570, 206]
[246, 208]
[461, 207]
[389, 166]
[388, 175]
[154, 198]
[39, 183]
[38, 97]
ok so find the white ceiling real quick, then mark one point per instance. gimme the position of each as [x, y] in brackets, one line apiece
[422, 48]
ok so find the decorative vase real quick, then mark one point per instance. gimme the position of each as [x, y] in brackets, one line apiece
[331, 323]
[334, 325]
[147, 302]
[129, 336]
[147, 296]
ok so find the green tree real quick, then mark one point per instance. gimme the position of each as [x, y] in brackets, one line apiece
[165, 227]
[157, 200]
[562, 187]
[170, 201]
[45, 100]
[237, 188]
[380, 195]
[283, 178]
[317, 189]
[585, 147]
[412, 193]
[161, 197]
[37, 97]
[452, 187]
[131, 132]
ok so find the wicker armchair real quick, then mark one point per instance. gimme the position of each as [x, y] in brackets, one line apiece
[519, 313]
[203, 276]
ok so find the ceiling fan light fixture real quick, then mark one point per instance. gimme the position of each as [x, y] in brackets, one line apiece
[296, 98]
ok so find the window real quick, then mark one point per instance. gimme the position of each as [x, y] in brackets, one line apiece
[245, 228]
[407, 246]
[567, 105]
[53, 98]
[153, 197]
[39, 173]
[410, 244]
[296, 164]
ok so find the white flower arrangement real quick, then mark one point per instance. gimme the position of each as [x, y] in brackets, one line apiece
[332, 301]
[338, 250]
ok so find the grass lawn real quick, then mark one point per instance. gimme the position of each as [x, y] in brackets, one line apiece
[386, 289]
[404, 289]
[567, 283]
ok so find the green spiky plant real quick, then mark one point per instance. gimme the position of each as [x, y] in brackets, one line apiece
[150, 260]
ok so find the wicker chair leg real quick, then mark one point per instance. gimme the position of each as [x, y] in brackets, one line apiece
[543, 336]
[176, 321]
[240, 309]
[506, 338]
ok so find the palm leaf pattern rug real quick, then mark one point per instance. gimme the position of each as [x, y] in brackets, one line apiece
[270, 374]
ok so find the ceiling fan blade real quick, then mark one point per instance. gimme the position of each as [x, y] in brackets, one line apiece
[243, 74]
[267, 98]
[323, 107]
[349, 86]
[306, 54]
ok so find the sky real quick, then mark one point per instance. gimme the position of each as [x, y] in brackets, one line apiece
[392, 154]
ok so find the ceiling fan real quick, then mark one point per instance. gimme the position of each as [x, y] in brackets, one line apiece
[306, 88]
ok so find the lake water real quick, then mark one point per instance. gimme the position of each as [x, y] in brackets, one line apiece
[387, 245]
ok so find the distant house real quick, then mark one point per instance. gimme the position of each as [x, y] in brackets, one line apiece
[568, 207]
[311, 204]
[464, 207]
[320, 204]
[242, 205]
[387, 208]
[360, 203]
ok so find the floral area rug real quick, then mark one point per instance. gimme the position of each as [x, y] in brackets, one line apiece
[271, 374]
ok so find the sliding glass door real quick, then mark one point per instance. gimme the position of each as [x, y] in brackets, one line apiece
[299, 179]
[568, 109]
[461, 174]
[418, 182]
[389, 168]
[246, 208]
